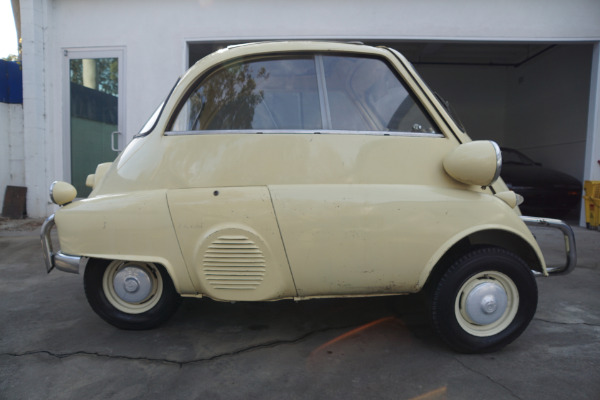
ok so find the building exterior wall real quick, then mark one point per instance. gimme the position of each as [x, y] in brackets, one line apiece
[36, 85]
[12, 152]
[12, 163]
[153, 35]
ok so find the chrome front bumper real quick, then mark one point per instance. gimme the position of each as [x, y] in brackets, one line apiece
[569, 237]
[63, 262]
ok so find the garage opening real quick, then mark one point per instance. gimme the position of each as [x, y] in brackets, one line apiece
[533, 97]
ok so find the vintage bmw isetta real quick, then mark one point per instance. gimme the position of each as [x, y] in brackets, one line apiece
[300, 170]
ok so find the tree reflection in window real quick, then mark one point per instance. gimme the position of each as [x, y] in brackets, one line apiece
[262, 94]
[227, 99]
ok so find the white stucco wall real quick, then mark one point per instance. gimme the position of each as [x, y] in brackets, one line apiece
[154, 33]
[4, 150]
[37, 83]
[12, 152]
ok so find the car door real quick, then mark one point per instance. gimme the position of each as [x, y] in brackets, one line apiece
[365, 223]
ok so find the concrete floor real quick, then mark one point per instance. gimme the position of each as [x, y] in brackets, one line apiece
[53, 346]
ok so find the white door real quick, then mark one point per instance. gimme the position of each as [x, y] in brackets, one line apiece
[93, 113]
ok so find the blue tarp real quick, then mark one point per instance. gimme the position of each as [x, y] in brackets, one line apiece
[11, 82]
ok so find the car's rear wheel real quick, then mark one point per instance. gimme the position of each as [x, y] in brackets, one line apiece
[484, 301]
[130, 295]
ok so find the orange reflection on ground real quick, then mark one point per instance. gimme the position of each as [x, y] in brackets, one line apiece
[436, 394]
[352, 333]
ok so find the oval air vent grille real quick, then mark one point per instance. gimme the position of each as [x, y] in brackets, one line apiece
[234, 262]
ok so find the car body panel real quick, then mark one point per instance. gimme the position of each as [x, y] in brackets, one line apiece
[231, 243]
[217, 160]
[364, 239]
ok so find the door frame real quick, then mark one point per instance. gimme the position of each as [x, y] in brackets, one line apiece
[81, 53]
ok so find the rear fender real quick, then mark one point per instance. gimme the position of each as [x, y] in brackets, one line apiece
[135, 226]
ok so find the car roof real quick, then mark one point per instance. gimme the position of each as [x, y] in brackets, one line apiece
[285, 46]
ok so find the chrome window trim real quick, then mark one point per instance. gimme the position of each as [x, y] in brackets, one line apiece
[303, 132]
[322, 88]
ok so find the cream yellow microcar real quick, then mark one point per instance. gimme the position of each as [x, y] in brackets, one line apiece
[301, 170]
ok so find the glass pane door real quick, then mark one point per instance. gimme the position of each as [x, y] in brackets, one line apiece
[94, 116]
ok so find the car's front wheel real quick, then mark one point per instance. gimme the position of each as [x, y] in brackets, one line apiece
[484, 301]
[130, 295]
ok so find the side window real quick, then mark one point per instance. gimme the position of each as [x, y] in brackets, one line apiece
[260, 94]
[364, 94]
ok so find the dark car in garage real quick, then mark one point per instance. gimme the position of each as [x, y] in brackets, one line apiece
[547, 192]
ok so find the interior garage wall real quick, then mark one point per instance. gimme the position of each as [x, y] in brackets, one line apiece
[477, 93]
[539, 107]
[547, 110]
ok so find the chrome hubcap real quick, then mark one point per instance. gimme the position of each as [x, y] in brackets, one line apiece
[132, 284]
[486, 303]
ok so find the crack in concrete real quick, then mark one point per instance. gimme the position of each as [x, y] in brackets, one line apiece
[566, 323]
[513, 394]
[181, 364]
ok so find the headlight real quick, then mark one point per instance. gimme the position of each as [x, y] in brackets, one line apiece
[62, 193]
